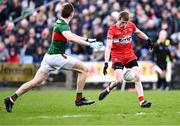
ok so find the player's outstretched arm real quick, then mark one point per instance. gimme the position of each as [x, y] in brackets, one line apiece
[75, 38]
[82, 40]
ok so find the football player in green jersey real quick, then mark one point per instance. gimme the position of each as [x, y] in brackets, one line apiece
[55, 58]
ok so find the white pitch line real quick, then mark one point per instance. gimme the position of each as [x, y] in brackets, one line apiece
[81, 116]
[178, 112]
[57, 116]
[140, 113]
[69, 116]
[49, 117]
[76, 116]
[118, 114]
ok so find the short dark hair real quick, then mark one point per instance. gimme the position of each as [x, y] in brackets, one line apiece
[124, 15]
[67, 9]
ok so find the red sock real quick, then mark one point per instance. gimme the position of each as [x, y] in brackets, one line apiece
[109, 88]
[141, 98]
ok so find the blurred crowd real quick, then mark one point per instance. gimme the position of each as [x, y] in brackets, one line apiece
[27, 39]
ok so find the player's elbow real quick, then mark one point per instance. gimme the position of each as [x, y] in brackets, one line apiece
[138, 33]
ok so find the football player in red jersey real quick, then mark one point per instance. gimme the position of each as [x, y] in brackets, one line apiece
[119, 47]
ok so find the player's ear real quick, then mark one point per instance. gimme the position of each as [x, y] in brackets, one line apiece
[71, 15]
[119, 17]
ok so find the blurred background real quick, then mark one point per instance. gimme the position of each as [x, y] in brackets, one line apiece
[25, 35]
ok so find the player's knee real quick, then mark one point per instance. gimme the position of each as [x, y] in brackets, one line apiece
[85, 70]
[41, 83]
[36, 82]
[137, 78]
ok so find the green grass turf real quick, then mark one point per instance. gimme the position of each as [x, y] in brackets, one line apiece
[57, 107]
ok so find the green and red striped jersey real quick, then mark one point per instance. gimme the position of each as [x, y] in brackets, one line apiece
[59, 42]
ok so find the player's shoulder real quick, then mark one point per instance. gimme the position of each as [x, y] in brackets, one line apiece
[59, 21]
[61, 24]
[112, 26]
[130, 23]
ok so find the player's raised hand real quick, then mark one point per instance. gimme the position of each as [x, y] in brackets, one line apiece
[105, 68]
[150, 45]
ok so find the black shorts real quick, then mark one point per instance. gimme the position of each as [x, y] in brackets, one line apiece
[118, 65]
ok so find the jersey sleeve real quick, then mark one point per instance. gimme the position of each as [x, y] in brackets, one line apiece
[61, 28]
[110, 33]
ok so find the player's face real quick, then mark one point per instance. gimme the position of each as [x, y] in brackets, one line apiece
[122, 23]
[72, 15]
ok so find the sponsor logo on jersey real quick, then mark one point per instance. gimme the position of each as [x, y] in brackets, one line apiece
[126, 39]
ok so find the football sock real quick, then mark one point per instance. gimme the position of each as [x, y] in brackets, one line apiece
[112, 85]
[109, 88]
[141, 99]
[13, 97]
[78, 96]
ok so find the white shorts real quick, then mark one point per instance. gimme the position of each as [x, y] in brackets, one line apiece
[57, 61]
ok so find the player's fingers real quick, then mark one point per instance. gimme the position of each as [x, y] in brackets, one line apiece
[104, 72]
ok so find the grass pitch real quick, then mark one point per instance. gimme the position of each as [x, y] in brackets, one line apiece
[56, 107]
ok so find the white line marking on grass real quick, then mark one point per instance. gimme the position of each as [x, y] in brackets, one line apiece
[140, 113]
[57, 116]
[137, 114]
[75, 116]
[178, 112]
[49, 117]
[118, 114]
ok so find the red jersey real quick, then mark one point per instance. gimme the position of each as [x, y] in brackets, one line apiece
[122, 47]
